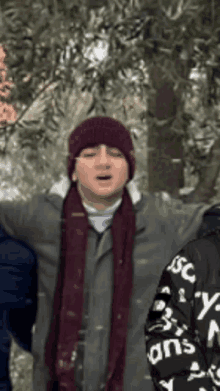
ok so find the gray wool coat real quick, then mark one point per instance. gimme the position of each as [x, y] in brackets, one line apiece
[163, 227]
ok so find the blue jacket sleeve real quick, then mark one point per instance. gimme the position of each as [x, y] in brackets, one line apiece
[18, 273]
[174, 354]
[18, 288]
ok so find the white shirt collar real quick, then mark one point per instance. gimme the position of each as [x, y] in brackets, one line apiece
[108, 211]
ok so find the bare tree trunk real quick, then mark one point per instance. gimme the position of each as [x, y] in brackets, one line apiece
[165, 148]
[165, 154]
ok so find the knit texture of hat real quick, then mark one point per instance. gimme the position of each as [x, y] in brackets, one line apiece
[210, 222]
[101, 130]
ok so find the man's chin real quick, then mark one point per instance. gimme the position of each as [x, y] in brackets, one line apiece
[101, 194]
[107, 198]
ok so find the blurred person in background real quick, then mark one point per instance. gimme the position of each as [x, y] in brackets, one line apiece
[101, 247]
[18, 299]
[183, 326]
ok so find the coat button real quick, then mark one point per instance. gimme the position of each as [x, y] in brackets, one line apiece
[120, 261]
[119, 316]
[41, 294]
[99, 327]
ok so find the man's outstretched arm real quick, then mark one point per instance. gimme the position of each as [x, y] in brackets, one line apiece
[205, 189]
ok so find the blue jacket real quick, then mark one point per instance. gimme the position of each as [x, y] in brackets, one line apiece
[18, 288]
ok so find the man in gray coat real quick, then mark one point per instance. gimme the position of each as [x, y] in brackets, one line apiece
[102, 172]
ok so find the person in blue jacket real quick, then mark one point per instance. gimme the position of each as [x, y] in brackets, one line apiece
[18, 299]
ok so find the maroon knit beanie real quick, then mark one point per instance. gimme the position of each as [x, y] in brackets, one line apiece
[101, 130]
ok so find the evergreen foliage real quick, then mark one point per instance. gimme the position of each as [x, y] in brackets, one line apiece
[53, 49]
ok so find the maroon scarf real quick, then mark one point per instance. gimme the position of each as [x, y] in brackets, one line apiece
[68, 299]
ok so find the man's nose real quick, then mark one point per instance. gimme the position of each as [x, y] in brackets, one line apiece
[103, 156]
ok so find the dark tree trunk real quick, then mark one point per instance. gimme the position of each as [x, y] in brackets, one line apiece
[165, 152]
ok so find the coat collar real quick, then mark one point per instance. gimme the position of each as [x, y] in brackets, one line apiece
[59, 190]
[140, 202]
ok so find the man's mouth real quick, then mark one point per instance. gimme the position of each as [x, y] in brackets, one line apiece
[104, 177]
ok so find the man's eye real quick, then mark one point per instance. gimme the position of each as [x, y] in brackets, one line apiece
[113, 153]
[116, 153]
[88, 154]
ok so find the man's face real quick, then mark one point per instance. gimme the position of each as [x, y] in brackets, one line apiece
[94, 164]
